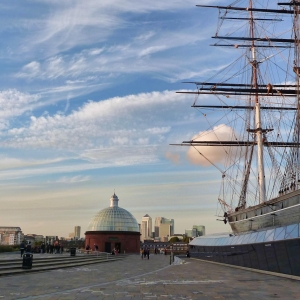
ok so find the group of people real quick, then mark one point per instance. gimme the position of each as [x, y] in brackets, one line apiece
[88, 249]
[115, 251]
[145, 252]
[56, 247]
[25, 248]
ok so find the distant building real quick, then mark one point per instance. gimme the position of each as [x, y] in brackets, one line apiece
[50, 239]
[34, 238]
[146, 228]
[161, 246]
[10, 235]
[77, 232]
[197, 230]
[200, 229]
[29, 238]
[164, 228]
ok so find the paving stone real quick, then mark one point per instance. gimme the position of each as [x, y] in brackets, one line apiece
[133, 278]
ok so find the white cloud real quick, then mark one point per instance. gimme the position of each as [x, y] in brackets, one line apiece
[32, 68]
[123, 58]
[14, 103]
[152, 49]
[73, 179]
[116, 122]
[157, 130]
[7, 162]
[63, 25]
[174, 157]
[205, 155]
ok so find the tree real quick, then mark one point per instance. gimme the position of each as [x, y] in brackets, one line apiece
[174, 239]
[186, 239]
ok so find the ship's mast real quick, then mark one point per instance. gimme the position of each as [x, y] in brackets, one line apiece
[258, 129]
[258, 92]
[297, 70]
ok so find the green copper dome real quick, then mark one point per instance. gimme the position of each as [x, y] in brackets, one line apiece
[114, 218]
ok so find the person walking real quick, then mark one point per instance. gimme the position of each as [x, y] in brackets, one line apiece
[142, 253]
[43, 248]
[28, 247]
[22, 248]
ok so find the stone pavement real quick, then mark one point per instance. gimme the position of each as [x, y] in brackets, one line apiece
[134, 278]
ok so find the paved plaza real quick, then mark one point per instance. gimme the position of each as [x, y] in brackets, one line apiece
[134, 278]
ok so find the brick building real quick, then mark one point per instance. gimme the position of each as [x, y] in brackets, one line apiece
[10, 235]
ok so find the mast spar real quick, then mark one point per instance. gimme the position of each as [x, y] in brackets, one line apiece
[258, 130]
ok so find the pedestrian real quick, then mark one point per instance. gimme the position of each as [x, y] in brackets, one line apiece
[43, 248]
[148, 253]
[22, 248]
[28, 247]
[56, 247]
[142, 253]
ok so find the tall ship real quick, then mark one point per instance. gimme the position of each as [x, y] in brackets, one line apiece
[252, 109]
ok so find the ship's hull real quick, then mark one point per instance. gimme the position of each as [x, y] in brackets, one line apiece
[279, 256]
[274, 249]
[280, 211]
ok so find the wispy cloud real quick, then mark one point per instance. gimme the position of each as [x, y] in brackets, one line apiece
[118, 121]
[74, 179]
[7, 162]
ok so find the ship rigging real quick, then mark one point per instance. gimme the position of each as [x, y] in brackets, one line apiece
[260, 102]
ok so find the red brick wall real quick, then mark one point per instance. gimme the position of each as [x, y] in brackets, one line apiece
[130, 241]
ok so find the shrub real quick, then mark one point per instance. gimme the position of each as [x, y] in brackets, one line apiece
[8, 248]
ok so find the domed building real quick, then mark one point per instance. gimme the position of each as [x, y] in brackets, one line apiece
[114, 227]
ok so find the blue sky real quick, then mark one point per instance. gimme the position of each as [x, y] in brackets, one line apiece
[88, 105]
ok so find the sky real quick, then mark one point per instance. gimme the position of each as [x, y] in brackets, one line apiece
[89, 106]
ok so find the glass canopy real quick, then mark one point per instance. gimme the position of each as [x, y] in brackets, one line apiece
[268, 235]
[114, 218]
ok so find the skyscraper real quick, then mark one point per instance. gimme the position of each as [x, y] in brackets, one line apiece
[163, 227]
[146, 227]
[200, 229]
[197, 230]
[77, 232]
